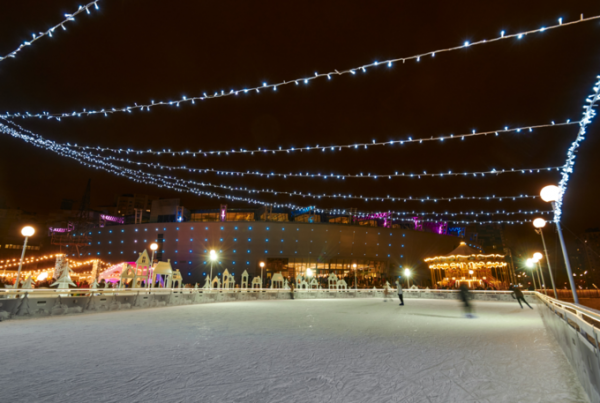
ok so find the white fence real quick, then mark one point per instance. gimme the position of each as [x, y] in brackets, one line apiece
[577, 330]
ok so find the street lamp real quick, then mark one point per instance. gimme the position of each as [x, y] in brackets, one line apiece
[551, 194]
[212, 257]
[540, 223]
[355, 281]
[26, 232]
[537, 256]
[530, 264]
[262, 265]
[153, 248]
[407, 274]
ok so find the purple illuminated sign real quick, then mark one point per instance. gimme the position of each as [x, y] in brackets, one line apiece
[118, 220]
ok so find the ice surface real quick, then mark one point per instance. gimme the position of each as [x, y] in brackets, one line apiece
[360, 350]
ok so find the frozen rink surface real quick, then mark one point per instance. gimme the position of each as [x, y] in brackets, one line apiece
[361, 350]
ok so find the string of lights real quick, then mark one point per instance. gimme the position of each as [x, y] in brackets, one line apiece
[304, 80]
[69, 17]
[269, 175]
[338, 147]
[470, 213]
[588, 115]
[186, 185]
[469, 222]
[72, 263]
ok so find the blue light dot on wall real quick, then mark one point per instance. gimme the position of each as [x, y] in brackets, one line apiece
[247, 262]
[205, 240]
[177, 240]
[189, 274]
[401, 255]
[109, 253]
[135, 231]
[204, 274]
[98, 253]
[234, 251]
[206, 228]
[267, 228]
[192, 228]
[250, 228]
[204, 263]
[190, 251]
[266, 252]
[122, 230]
[248, 250]
[189, 262]
[233, 262]
[110, 232]
[403, 246]
[164, 229]
[177, 228]
[221, 239]
[235, 228]
[175, 251]
[221, 227]
[191, 240]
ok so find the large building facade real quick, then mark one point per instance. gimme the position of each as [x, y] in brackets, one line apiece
[287, 247]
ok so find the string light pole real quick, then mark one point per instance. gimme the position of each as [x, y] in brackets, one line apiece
[551, 194]
[26, 232]
[540, 223]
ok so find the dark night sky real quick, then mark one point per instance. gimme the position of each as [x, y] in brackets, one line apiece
[135, 51]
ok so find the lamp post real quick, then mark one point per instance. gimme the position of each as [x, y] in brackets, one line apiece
[551, 194]
[212, 257]
[355, 279]
[529, 263]
[153, 248]
[309, 274]
[262, 265]
[26, 232]
[407, 274]
[540, 223]
[537, 256]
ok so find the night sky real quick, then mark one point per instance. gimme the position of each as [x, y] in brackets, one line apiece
[137, 51]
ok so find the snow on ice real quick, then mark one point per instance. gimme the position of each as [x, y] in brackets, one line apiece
[361, 350]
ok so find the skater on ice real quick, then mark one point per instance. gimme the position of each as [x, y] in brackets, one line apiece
[465, 296]
[518, 295]
[400, 293]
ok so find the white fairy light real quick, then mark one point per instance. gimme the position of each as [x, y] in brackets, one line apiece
[328, 75]
[49, 32]
[260, 150]
[588, 115]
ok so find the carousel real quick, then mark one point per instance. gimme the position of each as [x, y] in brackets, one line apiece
[466, 265]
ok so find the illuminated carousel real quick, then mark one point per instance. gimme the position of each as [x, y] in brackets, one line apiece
[466, 265]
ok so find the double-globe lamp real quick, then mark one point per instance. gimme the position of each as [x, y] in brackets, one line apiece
[551, 194]
[26, 232]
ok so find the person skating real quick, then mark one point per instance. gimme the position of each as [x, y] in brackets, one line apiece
[465, 296]
[400, 293]
[518, 295]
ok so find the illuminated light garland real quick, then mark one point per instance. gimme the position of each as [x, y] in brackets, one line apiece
[15, 262]
[298, 81]
[338, 147]
[466, 222]
[470, 213]
[70, 17]
[184, 185]
[588, 115]
[269, 175]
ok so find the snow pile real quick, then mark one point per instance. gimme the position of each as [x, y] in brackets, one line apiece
[288, 351]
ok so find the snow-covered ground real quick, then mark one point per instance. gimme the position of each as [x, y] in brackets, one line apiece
[361, 350]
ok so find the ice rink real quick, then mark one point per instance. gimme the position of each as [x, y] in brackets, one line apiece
[360, 350]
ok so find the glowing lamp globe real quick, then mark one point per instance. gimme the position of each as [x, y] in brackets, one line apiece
[550, 193]
[537, 256]
[213, 255]
[27, 231]
[407, 272]
[153, 246]
[309, 272]
[539, 223]
[529, 263]
[262, 264]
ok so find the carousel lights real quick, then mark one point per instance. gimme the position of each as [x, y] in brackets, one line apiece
[69, 17]
[305, 80]
[336, 147]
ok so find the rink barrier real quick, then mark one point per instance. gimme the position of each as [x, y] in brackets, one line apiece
[577, 330]
[36, 303]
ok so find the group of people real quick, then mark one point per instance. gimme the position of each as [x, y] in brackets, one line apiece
[465, 296]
